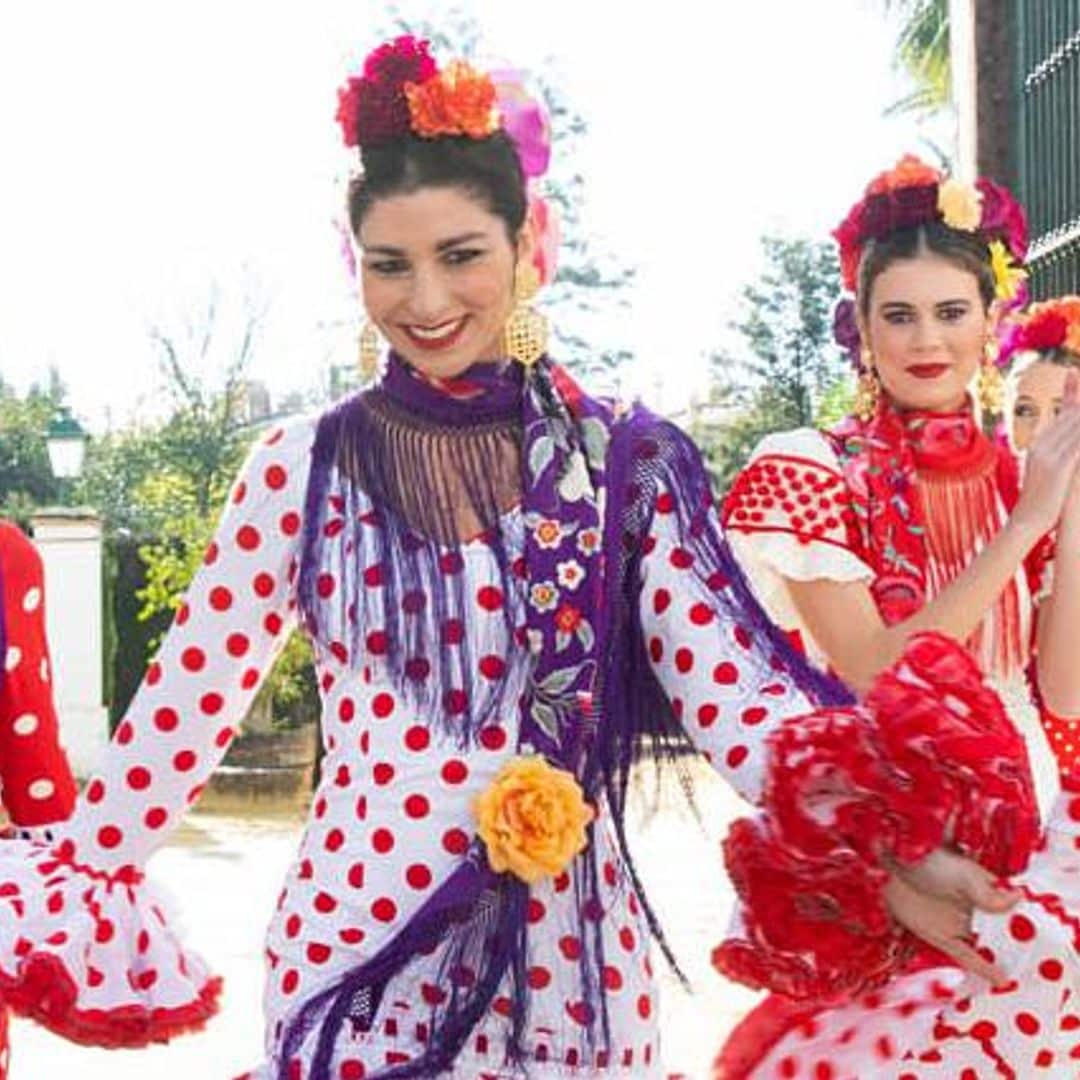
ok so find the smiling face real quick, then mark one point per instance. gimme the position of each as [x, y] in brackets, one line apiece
[926, 325]
[437, 272]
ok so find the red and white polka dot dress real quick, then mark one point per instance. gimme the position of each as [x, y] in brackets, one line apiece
[389, 820]
[936, 1022]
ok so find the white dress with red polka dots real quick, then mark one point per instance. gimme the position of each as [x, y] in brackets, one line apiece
[936, 1023]
[390, 818]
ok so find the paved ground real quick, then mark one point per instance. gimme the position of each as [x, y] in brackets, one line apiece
[225, 873]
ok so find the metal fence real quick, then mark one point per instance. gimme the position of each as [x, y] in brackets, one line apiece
[1048, 139]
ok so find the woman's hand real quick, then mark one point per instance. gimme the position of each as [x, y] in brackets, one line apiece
[1050, 470]
[935, 898]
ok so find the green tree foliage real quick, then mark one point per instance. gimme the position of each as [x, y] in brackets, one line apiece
[785, 370]
[922, 51]
[26, 479]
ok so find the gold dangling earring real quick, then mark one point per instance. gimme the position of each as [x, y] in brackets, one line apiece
[369, 352]
[867, 389]
[525, 336]
[990, 384]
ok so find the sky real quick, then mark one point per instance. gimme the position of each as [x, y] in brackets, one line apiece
[156, 152]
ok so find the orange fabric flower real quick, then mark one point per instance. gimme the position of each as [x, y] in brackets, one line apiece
[532, 819]
[909, 171]
[458, 101]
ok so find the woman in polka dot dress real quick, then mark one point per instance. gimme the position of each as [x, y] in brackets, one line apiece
[37, 787]
[907, 518]
[512, 589]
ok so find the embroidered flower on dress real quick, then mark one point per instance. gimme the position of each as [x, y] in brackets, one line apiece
[532, 819]
[588, 541]
[544, 596]
[548, 533]
[569, 574]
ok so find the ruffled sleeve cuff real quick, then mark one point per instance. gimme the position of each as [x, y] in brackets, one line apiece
[930, 758]
[91, 956]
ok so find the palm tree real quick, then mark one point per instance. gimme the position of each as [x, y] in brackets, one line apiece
[922, 50]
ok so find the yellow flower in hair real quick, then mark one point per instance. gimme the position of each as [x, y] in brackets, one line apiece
[1007, 275]
[532, 819]
[960, 205]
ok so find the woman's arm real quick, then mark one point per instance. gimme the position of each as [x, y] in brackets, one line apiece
[38, 788]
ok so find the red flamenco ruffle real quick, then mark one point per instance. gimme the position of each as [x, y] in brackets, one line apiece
[45, 992]
[929, 758]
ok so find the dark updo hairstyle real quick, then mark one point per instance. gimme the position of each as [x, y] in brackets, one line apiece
[965, 250]
[487, 169]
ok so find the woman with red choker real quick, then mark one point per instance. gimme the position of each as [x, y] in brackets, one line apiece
[907, 518]
[37, 786]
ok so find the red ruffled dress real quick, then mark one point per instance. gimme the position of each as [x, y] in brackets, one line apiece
[37, 786]
[853, 997]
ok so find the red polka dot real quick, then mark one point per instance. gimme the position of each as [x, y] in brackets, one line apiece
[239, 493]
[325, 903]
[211, 555]
[455, 772]
[220, 598]
[1027, 1024]
[273, 624]
[237, 645]
[250, 679]
[701, 615]
[754, 715]
[382, 705]
[335, 840]
[211, 704]
[489, 598]
[455, 841]
[382, 773]
[1021, 928]
[193, 659]
[984, 1031]
[95, 792]
[536, 911]
[183, 613]
[165, 719]
[681, 559]
[570, 947]
[138, 778]
[661, 601]
[290, 981]
[352, 1070]
[384, 909]
[153, 674]
[184, 761]
[324, 585]
[627, 939]
[418, 876]
[613, 979]
[684, 660]
[109, 836]
[290, 523]
[656, 650]
[538, 978]
[263, 585]
[382, 840]
[456, 701]
[1051, 970]
[736, 756]
[493, 737]
[417, 806]
[725, 673]
[376, 643]
[453, 632]
[275, 477]
[417, 738]
[492, 667]
[155, 817]
[644, 1006]
[707, 714]
[356, 875]
[247, 537]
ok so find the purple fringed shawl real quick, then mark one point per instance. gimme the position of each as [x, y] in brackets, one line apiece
[592, 704]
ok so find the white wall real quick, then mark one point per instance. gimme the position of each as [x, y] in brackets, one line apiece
[70, 546]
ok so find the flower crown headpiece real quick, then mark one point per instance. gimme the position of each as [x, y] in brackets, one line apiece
[1044, 327]
[914, 193]
[401, 91]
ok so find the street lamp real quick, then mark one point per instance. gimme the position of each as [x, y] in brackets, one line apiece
[66, 440]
